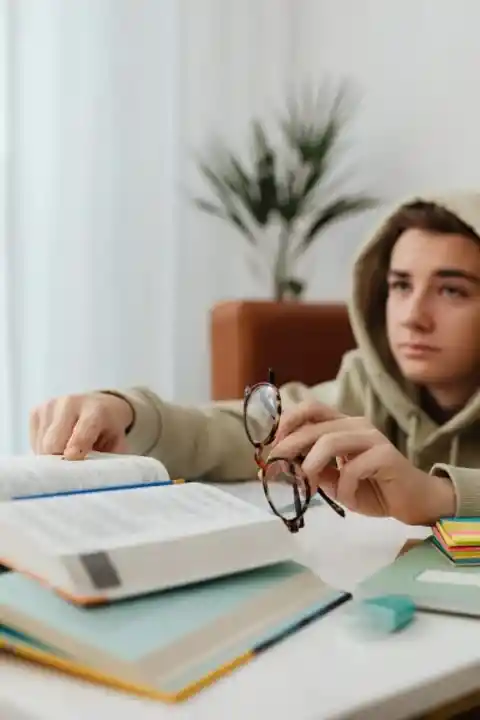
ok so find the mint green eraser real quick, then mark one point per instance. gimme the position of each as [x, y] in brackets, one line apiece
[383, 614]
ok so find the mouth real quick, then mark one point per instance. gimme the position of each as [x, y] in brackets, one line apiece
[417, 349]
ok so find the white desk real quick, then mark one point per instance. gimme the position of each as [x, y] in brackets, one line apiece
[324, 672]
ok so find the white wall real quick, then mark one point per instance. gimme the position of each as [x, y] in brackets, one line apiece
[236, 61]
[416, 64]
[7, 391]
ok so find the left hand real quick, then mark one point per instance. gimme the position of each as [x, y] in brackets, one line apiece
[376, 479]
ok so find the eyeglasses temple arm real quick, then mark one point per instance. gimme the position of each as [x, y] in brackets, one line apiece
[339, 510]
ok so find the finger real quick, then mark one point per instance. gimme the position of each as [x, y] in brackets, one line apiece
[303, 439]
[296, 443]
[111, 443]
[337, 444]
[120, 446]
[84, 436]
[328, 482]
[65, 415]
[362, 467]
[44, 418]
[33, 428]
[302, 414]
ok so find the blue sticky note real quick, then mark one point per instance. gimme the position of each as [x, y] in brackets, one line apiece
[382, 614]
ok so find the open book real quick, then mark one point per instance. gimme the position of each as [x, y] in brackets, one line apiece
[100, 546]
[31, 475]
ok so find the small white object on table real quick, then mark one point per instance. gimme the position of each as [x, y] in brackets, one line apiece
[324, 672]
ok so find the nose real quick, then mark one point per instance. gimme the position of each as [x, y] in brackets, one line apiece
[418, 313]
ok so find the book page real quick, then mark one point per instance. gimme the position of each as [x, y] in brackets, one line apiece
[96, 521]
[36, 474]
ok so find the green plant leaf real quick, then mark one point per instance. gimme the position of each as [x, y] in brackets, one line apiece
[227, 212]
[313, 127]
[210, 208]
[232, 183]
[314, 122]
[265, 163]
[289, 202]
[236, 178]
[333, 212]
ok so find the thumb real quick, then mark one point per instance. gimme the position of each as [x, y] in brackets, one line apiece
[327, 481]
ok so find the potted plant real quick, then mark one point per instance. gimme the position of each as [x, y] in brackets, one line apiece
[286, 185]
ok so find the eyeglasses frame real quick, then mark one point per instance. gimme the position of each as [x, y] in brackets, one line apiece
[294, 524]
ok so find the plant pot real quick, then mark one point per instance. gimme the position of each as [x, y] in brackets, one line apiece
[300, 341]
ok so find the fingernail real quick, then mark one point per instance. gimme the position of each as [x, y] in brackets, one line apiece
[73, 454]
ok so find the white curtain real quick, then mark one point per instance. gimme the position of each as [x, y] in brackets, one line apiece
[108, 272]
[8, 378]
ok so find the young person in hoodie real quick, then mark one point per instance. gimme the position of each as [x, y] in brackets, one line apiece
[404, 408]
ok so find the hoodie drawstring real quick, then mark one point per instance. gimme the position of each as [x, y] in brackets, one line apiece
[454, 450]
[412, 439]
[369, 403]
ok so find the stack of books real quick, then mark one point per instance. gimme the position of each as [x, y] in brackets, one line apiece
[458, 539]
[155, 587]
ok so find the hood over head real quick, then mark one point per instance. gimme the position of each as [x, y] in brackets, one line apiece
[367, 316]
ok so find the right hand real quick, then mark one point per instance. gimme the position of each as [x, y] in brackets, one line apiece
[74, 425]
[374, 479]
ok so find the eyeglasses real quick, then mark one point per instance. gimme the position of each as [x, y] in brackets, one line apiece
[284, 483]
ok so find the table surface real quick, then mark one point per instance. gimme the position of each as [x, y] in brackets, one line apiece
[326, 671]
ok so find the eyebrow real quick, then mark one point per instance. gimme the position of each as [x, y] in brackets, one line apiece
[454, 273]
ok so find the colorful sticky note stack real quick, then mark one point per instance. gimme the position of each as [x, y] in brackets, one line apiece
[459, 539]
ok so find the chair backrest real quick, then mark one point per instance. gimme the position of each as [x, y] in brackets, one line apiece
[300, 341]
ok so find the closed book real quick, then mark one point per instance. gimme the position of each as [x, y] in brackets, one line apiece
[164, 645]
[430, 579]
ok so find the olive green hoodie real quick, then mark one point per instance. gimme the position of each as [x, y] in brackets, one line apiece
[210, 442]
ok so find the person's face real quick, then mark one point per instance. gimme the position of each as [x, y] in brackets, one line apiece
[433, 310]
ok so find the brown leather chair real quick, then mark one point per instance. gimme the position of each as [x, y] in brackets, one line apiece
[300, 341]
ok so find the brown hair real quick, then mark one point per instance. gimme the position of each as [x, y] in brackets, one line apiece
[421, 215]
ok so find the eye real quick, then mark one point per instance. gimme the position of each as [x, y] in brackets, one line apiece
[399, 286]
[453, 291]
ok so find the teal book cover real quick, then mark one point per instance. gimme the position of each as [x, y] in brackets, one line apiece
[430, 579]
[174, 641]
